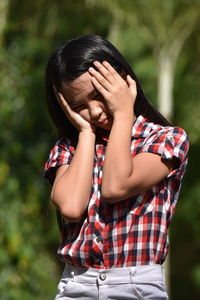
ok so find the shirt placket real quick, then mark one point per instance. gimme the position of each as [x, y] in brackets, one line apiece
[98, 225]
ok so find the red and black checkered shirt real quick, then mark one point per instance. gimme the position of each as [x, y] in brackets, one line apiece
[133, 231]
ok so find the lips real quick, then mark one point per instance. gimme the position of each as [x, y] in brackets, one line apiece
[103, 122]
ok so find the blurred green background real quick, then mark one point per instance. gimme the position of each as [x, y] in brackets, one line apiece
[161, 41]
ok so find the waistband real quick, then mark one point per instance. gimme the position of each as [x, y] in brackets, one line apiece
[137, 274]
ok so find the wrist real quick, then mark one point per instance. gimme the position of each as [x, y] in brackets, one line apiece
[124, 116]
[87, 133]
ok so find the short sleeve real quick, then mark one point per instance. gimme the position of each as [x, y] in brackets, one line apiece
[168, 142]
[60, 154]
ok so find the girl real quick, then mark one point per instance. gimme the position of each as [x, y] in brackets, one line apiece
[116, 173]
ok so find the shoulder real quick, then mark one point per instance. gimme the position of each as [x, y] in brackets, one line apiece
[148, 132]
[60, 154]
[168, 141]
[173, 134]
[62, 145]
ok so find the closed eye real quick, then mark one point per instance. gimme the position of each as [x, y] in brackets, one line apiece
[98, 96]
[78, 107]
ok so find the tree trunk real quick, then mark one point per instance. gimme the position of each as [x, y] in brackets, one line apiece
[165, 85]
[3, 18]
[165, 106]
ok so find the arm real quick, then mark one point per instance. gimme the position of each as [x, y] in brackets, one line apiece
[124, 176]
[72, 186]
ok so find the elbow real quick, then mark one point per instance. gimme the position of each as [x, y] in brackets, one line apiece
[72, 213]
[114, 193]
[111, 193]
[71, 216]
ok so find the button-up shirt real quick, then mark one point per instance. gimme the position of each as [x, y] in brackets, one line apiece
[133, 231]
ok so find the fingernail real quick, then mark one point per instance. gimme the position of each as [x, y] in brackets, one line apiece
[96, 63]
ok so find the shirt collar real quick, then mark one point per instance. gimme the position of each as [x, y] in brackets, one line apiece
[141, 128]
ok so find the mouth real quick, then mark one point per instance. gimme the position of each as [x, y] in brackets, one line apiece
[103, 122]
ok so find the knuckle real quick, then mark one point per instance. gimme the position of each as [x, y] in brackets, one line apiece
[113, 72]
[118, 88]
[100, 67]
[123, 84]
[106, 72]
[101, 79]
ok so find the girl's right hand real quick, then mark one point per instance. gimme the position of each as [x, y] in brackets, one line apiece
[77, 121]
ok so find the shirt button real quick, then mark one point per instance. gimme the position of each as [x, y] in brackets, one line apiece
[102, 276]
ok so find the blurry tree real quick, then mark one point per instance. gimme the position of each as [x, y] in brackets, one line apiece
[26, 266]
[29, 31]
[165, 26]
[185, 233]
[3, 17]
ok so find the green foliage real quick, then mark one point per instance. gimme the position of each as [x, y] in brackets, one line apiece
[28, 263]
[29, 235]
[22, 198]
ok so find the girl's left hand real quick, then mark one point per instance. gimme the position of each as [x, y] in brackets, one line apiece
[119, 94]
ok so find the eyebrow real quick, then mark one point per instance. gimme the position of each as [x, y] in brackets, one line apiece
[93, 92]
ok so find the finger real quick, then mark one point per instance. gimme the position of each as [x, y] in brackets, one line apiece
[106, 73]
[102, 80]
[62, 100]
[63, 103]
[55, 89]
[57, 94]
[111, 70]
[130, 80]
[100, 88]
[132, 85]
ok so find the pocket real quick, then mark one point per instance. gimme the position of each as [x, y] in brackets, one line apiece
[151, 290]
[61, 287]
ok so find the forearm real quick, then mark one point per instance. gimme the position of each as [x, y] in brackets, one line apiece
[118, 165]
[71, 192]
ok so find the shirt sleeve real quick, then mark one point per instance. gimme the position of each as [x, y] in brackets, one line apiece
[168, 142]
[60, 154]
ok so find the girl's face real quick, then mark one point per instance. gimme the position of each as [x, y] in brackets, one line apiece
[84, 99]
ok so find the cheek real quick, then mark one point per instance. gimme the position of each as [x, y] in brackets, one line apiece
[105, 109]
[84, 114]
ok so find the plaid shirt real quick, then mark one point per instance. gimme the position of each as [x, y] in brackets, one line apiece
[133, 231]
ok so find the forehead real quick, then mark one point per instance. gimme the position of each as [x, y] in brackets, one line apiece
[79, 88]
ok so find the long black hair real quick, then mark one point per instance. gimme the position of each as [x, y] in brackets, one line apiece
[72, 60]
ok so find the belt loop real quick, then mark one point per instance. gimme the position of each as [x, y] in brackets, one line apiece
[72, 273]
[132, 274]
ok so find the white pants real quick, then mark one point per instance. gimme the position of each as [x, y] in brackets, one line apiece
[142, 282]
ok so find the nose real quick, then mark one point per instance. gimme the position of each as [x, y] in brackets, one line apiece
[95, 111]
